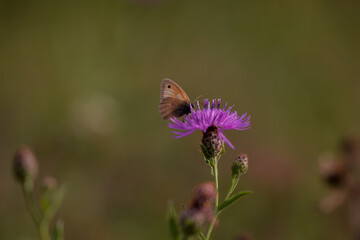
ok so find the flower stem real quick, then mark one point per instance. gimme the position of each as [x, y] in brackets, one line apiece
[44, 231]
[215, 172]
[211, 227]
[42, 226]
[234, 182]
[216, 178]
[27, 188]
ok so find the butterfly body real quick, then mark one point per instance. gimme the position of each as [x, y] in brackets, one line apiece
[173, 100]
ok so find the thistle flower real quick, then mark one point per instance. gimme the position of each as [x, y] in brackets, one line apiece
[211, 115]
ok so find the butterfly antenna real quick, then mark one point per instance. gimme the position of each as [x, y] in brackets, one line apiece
[198, 98]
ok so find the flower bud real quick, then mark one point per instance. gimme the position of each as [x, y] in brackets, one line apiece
[212, 144]
[332, 171]
[191, 221]
[200, 209]
[204, 194]
[25, 164]
[240, 165]
[49, 183]
[243, 236]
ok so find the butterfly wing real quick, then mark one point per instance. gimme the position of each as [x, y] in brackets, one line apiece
[173, 107]
[169, 88]
[173, 100]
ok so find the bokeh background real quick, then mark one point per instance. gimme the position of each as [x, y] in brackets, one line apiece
[79, 83]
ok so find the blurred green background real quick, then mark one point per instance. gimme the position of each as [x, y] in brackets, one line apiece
[79, 83]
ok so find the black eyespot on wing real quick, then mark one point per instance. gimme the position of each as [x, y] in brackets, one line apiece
[169, 86]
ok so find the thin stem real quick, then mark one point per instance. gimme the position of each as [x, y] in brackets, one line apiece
[211, 227]
[201, 236]
[216, 178]
[34, 211]
[30, 203]
[215, 171]
[44, 231]
[234, 182]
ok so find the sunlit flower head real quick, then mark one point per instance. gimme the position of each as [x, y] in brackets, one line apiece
[211, 115]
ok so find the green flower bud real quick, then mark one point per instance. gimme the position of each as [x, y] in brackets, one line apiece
[240, 165]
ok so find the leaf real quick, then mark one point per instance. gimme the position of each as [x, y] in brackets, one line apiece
[45, 201]
[205, 152]
[222, 149]
[51, 203]
[232, 199]
[173, 223]
[201, 236]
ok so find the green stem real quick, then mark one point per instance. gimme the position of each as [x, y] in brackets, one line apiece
[44, 231]
[215, 171]
[27, 188]
[201, 236]
[234, 182]
[34, 211]
[216, 178]
[211, 227]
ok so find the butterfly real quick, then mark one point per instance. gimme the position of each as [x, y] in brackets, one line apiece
[173, 100]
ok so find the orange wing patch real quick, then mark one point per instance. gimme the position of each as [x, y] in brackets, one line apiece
[170, 89]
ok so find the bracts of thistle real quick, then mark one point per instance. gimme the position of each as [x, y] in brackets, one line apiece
[25, 169]
[211, 145]
[212, 121]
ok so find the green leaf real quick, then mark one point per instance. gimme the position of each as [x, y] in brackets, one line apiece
[232, 199]
[173, 222]
[201, 236]
[222, 149]
[50, 203]
[205, 152]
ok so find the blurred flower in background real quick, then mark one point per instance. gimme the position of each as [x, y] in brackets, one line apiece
[96, 115]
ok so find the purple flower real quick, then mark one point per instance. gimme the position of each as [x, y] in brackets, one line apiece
[211, 114]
